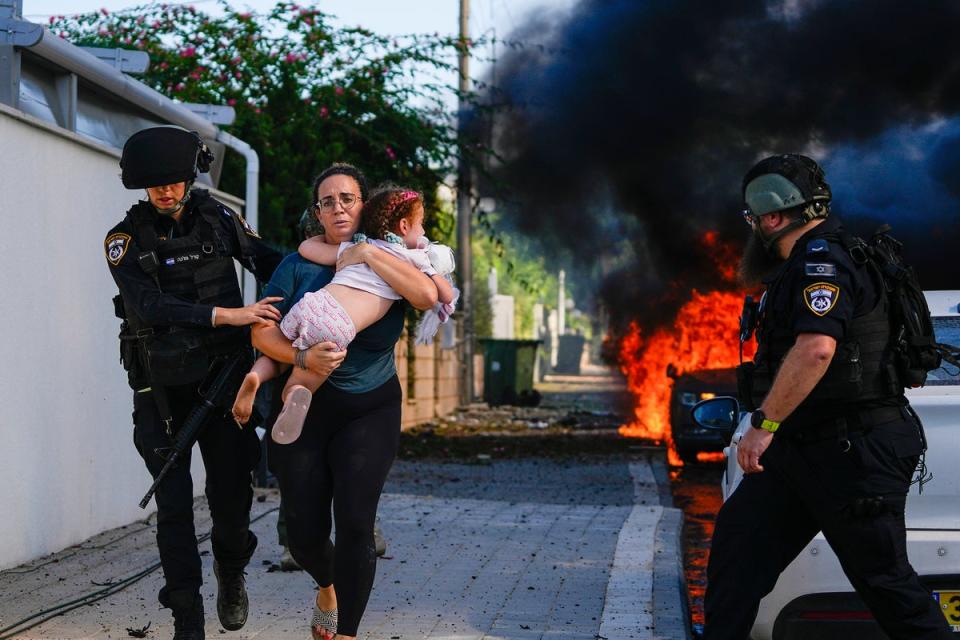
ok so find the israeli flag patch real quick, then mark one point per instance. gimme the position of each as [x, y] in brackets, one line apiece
[820, 269]
[817, 246]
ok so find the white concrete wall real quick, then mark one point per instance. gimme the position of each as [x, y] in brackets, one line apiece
[68, 468]
[502, 316]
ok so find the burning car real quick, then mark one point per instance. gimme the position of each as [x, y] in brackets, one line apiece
[813, 598]
[688, 389]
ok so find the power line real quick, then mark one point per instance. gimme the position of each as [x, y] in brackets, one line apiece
[15, 629]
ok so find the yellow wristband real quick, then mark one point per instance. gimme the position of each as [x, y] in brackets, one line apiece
[770, 425]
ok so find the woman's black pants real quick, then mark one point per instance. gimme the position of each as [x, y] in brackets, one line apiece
[348, 444]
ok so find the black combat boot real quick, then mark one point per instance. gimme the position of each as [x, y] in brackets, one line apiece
[187, 616]
[232, 602]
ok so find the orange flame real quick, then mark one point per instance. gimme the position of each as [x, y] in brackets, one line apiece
[703, 336]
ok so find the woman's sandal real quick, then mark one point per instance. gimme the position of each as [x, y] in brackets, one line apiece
[326, 621]
[289, 423]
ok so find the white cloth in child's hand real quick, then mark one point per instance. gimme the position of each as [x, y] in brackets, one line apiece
[441, 258]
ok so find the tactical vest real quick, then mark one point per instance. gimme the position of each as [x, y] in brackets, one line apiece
[861, 367]
[197, 267]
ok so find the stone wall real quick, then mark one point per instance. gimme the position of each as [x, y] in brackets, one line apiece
[430, 380]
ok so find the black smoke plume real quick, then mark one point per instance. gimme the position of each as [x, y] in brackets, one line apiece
[635, 122]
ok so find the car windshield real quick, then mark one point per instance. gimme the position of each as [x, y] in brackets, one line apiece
[947, 331]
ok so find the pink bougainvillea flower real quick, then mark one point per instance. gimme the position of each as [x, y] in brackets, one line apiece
[231, 101]
[338, 91]
[324, 112]
[188, 52]
[390, 153]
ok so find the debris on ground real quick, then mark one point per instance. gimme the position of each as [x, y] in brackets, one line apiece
[560, 427]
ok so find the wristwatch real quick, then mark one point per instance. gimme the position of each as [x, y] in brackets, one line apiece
[758, 420]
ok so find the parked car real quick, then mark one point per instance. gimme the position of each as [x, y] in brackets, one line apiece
[689, 389]
[813, 598]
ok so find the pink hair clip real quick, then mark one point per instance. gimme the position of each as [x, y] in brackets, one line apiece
[409, 195]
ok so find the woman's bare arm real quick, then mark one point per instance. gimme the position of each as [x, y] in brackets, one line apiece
[316, 250]
[322, 358]
[404, 278]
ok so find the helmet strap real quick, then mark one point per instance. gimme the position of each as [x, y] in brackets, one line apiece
[810, 212]
[169, 211]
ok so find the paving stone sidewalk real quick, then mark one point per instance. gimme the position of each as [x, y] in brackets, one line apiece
[510, 549]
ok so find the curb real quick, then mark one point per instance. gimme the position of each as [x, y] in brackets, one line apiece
[646, 594]
[671, 613]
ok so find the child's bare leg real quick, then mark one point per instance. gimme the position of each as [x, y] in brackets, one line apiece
[263, 369]
[303, 378]
[297, 395]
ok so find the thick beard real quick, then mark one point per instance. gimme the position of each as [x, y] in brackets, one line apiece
[757, 262]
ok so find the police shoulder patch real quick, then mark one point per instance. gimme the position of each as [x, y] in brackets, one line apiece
[115, 246]
[821, 297]
[820, 269]
[246, 226]
[819, 246]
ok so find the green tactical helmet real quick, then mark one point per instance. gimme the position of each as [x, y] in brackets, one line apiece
[786, 181]
[309, 226]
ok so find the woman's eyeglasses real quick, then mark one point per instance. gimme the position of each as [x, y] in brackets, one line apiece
[346, 200]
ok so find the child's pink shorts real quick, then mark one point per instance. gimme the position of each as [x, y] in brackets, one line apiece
[318, 317]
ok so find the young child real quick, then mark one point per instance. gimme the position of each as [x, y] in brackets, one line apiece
[355, 299]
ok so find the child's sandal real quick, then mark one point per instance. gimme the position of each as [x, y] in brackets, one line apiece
[289, 423]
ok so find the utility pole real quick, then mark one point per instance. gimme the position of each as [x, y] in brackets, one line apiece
[464, 213]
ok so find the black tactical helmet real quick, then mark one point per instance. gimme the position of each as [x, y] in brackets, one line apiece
[786, 181]
[163, 155]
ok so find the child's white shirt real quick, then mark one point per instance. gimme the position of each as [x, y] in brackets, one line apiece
[362, 277]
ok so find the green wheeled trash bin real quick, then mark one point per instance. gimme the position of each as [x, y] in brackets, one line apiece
[508, 371]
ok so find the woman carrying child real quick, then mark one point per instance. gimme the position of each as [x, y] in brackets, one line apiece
[355, 299]
[352, 429]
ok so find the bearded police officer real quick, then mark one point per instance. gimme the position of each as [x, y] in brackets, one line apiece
[835, 443]
[172, 257]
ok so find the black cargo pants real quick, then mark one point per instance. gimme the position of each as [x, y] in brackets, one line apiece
[229, 455]
[812, 487]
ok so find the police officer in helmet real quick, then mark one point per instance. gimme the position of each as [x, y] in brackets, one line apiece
[172, 257]
[835, 444]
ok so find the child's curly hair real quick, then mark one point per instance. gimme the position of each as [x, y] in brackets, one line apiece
[385, 208]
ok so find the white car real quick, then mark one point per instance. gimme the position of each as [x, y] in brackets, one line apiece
[813, 598]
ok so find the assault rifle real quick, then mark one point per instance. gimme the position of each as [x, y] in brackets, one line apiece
[216, 397]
